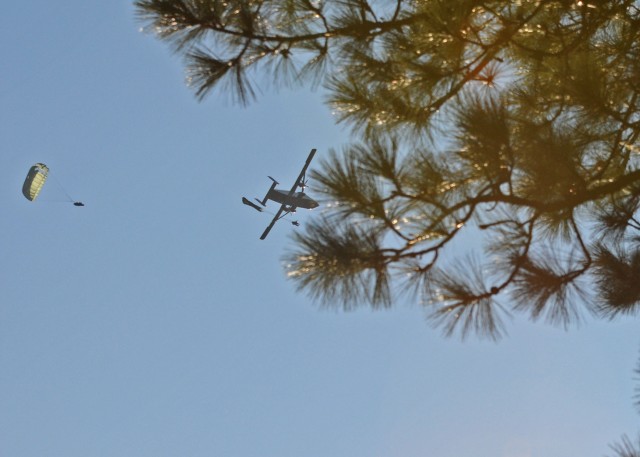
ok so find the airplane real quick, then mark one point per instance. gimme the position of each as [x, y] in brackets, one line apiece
[289, 200]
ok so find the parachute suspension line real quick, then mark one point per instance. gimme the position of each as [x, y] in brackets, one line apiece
[61, 188]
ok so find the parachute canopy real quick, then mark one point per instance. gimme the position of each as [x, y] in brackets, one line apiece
[35, 180]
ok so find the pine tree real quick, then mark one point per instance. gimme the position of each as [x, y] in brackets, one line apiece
[507, 130]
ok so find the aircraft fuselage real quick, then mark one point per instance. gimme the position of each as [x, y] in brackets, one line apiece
[295, 200]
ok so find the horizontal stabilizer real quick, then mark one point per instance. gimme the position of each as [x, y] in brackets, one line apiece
[251, 204]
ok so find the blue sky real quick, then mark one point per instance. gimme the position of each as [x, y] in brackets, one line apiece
[153, 322]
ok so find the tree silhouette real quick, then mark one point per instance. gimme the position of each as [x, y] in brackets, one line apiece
[504, 130]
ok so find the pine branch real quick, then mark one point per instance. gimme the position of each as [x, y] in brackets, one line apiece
[616, 274]
[626, 448]
[463, 303]
[340, 265]
[615, 219]
[544, 287]
[517, 123]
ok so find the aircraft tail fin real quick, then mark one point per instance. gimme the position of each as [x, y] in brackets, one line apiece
[251, 204]
[266, 197]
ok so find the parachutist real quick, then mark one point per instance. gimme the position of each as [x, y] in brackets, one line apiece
[78, 204]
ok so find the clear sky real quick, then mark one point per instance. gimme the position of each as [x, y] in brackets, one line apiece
[153, 322]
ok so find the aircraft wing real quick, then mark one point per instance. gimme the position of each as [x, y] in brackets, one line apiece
[304, 170]
[273, 222]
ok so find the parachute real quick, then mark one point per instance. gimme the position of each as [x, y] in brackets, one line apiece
[35, 180]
